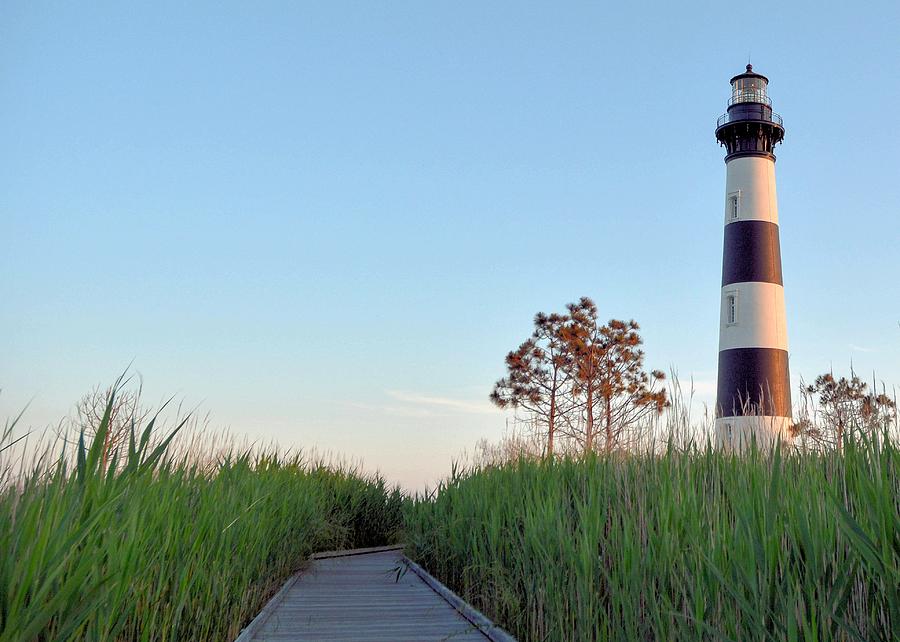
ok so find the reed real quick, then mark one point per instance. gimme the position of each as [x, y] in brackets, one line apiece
[697, 545]
[146, 543]
[155, 538]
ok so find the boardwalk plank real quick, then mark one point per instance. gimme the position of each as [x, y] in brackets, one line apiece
[357, 595]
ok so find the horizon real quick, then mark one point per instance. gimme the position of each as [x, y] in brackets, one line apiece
[327, 227]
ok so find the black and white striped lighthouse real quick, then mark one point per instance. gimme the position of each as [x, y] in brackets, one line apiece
[754, 389]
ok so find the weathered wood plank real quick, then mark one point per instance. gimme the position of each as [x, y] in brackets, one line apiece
[368, 595]
[357, 551]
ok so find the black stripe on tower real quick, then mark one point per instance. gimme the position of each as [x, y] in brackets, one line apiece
[753, 381]
[752, 253]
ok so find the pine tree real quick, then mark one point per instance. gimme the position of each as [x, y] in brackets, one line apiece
[575, 376]
[537, 376]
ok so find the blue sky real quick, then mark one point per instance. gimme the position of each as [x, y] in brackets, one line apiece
[326, 224]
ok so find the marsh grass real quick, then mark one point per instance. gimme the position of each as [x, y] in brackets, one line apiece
[148, 542]
[170, 536]
[684, 545]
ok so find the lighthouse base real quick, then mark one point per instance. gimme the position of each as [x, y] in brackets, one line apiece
[736, 434]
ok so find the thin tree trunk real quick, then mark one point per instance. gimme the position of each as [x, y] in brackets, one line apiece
[589, 425]
[551, 419]
[609, 433]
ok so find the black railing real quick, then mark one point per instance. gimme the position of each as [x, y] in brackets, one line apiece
[765, 115]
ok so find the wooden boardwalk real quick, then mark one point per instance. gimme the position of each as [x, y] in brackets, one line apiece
[357, 595]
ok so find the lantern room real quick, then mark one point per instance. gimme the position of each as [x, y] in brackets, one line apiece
[749, 87]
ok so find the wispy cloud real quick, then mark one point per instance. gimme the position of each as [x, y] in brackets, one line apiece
[448, 403]
[860, 348]
[394, 410]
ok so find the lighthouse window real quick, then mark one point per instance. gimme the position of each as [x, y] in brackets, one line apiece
[749, 90]
[733, 205]
[731, 308]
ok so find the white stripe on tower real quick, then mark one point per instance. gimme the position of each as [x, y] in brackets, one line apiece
[753, 398]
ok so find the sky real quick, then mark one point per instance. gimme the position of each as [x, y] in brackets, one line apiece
[326, 223]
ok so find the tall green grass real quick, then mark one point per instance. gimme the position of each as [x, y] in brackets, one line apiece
[144, 544]
[148, 541]
[683, 546]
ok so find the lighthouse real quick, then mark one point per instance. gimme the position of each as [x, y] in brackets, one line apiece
[754, 388]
